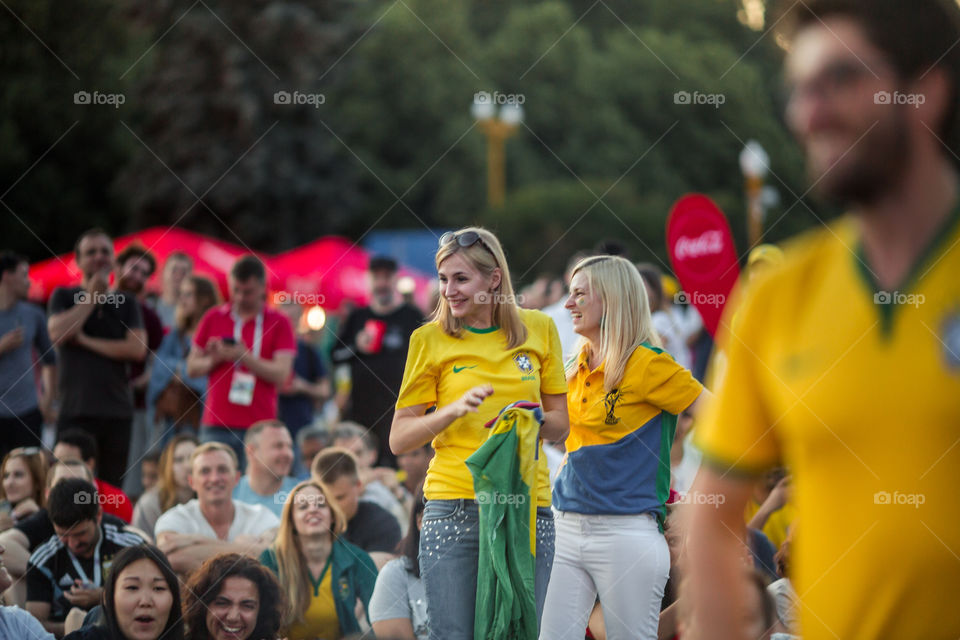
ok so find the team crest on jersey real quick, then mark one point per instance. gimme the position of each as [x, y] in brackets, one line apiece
[610, 402]
[950, 339]
[523, 362]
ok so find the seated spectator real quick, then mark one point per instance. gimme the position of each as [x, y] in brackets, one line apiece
[68, 570]
[28, 534]
[14, 621]
[380, 485]
[323, 575]
[149, 470]
[23, 474]
[413, 467]
[269, 450]
[398, 608]
[78, 444]
[141, 600]
[310, 441]
[369, 526]
[782, 590]
[233, 597]
[759, 609]
[771, 510]
[172, 488]
[213, 522]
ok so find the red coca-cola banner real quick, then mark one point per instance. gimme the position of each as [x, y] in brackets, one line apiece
[703, 256]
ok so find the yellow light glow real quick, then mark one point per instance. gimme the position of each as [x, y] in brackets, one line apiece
[316, 318]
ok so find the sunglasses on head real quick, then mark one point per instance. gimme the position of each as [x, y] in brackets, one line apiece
[25, 451]
[464, 239]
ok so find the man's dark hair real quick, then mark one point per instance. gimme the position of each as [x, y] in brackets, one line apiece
[914, 36]
[82, 440]
[72, 501]
[137, 251]
[9, 261]
[89, 233]
[652, 277]
[248, 266]
[382, 263]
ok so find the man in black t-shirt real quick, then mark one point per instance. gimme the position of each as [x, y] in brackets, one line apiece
[373, 341]
[369, 526]
[71, 567]
[98, 333]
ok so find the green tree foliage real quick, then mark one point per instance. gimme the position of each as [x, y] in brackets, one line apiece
[605, 149]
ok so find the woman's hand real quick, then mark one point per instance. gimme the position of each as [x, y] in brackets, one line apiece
[24, 509]
[470, 401]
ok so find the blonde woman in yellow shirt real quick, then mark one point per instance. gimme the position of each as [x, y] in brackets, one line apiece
[478, 354]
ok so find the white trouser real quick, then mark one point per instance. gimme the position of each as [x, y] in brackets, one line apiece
[623, 559]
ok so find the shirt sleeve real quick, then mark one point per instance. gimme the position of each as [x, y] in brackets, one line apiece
[202, 334]
[668, 385]
[175, 521]
[385, 530]
[39, 585]
[60, 300]
[283, 338]
[421, 375]
[553, 380]
[133, 318]
[390, 600]
[41, 341]
[735, 431]
[33, 527]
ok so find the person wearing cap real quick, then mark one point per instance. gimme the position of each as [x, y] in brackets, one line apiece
[373, 343]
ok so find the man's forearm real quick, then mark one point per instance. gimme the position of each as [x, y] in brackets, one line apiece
[188, 558]
[130, 348]
[63, 325]
[275, 371]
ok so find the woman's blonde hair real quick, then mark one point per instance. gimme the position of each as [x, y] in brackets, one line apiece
[625, 323]
[485, 256]
[292, 570]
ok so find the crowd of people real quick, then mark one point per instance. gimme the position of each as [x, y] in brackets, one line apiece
[554, 463]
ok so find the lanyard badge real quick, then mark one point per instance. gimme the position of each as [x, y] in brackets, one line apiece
[243, 383]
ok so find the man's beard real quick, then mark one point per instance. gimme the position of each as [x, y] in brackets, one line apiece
[871, 169]
[124, 284]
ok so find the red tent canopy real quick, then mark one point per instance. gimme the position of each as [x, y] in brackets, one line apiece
[327, 271]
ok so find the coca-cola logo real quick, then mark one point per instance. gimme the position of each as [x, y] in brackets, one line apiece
[707, 243]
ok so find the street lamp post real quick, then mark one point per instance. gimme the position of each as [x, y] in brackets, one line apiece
[497, 130]
[754, 163]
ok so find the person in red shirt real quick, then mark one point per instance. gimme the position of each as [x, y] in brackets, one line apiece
[247, 351]
[76, 444]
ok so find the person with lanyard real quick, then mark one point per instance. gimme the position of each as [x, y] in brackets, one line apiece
[247, 350]
[68, 569]
[479, 354]
[610, 494]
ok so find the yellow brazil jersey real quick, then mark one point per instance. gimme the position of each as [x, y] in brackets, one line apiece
[618, 450]
[441, 368]
[778, 524]
[857, 391]
[320, 620]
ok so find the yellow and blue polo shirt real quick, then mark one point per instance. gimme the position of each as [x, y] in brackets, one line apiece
[618, 450]
[857, 391]
[441, 368]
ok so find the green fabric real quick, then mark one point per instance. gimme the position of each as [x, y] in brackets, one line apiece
[668, 429]
[504, 478]
[354, 575]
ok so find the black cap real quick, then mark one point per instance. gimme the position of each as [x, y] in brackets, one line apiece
[383, 263]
